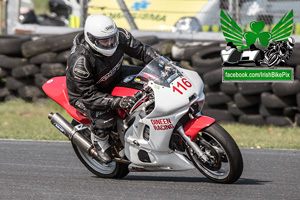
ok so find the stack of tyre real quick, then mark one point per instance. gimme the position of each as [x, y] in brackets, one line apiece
[249, 103]
[27, 62]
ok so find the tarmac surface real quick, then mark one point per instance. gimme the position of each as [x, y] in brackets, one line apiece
[51, 170]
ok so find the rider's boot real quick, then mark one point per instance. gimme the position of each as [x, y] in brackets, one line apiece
[103, 148]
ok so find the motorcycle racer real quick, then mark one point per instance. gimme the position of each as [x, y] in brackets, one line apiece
[278, 52]
[94, 68]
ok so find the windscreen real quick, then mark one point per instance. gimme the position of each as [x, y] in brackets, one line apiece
[160, 70]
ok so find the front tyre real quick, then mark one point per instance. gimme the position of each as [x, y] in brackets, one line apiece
[224, 160]
[110, 170]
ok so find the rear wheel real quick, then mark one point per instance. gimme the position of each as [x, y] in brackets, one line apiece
[111, 170]
[224, 160]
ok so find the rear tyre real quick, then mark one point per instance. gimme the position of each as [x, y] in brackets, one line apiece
[225, 162]
[110, 170]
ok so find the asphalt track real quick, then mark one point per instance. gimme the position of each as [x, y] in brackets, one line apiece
[50, 170]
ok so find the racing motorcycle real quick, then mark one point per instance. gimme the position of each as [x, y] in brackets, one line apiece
[164, 130]
[278, 52]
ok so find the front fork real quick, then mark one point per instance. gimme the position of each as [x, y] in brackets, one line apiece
[192, 144]
[190, 131]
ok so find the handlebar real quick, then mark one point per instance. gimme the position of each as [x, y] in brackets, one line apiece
[141, 95]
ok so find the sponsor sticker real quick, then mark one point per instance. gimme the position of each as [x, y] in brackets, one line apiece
[162, 124]
[109, 27]
[59, 128]
[50, 81]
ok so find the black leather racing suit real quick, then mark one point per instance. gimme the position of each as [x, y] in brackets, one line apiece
[91, 77]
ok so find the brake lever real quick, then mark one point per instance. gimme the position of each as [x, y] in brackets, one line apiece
[140, 95]
[137, 103]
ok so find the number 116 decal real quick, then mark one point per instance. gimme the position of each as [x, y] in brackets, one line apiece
[182, 86]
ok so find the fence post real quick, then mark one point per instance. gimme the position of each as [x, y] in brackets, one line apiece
[1, 13]
[83, 16]
[127, 15]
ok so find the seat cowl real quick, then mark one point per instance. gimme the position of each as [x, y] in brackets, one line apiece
[56, 89]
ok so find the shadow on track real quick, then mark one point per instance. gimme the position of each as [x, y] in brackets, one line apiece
[241, 181]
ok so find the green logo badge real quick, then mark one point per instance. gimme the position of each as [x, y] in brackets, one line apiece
[243, 40]
[257, 46]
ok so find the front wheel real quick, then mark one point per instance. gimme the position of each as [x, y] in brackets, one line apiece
[224, 160]
[111, 170]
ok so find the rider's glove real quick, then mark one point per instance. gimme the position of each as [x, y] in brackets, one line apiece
[124, 103]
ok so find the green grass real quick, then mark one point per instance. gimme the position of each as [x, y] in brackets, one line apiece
[28, 121]
[21, 120]
[2, 16]
[269, 137]
[41, 6]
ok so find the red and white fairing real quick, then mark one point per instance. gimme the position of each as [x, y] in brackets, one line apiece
[171, 103]
[173, 97]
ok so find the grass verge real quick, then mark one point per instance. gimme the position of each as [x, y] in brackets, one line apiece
[29, 121]
[41, 6]
[267, 137]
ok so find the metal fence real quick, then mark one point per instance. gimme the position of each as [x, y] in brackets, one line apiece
[157, 15]
[269, 11]
[162, 15]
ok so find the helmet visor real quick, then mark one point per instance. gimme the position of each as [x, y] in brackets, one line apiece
[105, 43]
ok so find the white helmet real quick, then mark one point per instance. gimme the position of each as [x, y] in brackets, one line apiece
[102, 34]
[290, 42]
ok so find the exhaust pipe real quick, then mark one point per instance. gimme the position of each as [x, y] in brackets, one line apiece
[70, 132]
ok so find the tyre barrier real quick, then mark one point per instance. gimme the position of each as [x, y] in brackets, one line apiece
[297, 72]
[3, 93]
[273, 101]
[229, 88]
[213, 77]
[252, 120]
[30, 92]
[279, 121]
[3, 73]
[219, 115]
[253, 88]
[46, 44]
[183, 50]
[214, 88]
[217, 98]
[12, 44]
[207, 59]
[297, 119]
[50, 70]
[48, 57]
[11, 62]
[165, 47]
[236, 111]
[244, 101]
[286, 89]
[290, 112]
[267, 112]
[26, 63]
[25, 71]
[14, 84]
[294, 59]
[62, 57]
